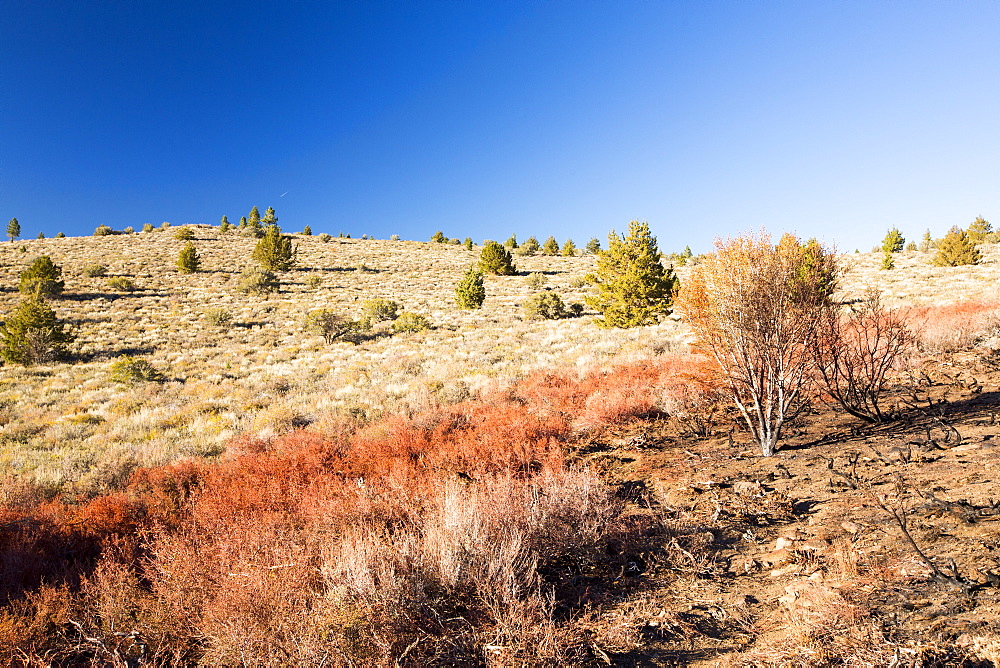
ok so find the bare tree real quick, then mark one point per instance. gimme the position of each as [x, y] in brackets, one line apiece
[755, 309]
[855, 351]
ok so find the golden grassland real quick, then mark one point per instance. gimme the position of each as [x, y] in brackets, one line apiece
[69, 425]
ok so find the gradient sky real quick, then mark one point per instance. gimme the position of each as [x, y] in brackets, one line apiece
[831, 119]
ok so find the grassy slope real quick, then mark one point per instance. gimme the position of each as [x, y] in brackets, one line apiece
[69, 425]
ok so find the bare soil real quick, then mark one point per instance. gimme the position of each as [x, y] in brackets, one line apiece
[801, 551]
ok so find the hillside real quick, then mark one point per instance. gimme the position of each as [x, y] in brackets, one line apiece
[70, 425]
[491, 491]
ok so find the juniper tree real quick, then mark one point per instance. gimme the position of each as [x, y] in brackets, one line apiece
[258, 281]
[471, 290]
[13, 229]
[275, 251]
[495, 259]
[551, 246]
[893, 241]
[529, 247]
[511, 243]
[439, 237]
[42, 277]
[253, 225]
[544, 306]
[569, 248]
[978, 230]
[32, 334]
[593, 246]
[269, 217]
[468, 243]
[685, 256]
[634, 288]
[956, 249]
[188, 260]
[307, 231]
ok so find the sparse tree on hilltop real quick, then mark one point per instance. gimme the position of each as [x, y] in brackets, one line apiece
[551, 246]
[893, 241]
[633, 286]
[593, 246]
[269, 217]
[253, 225]
[529, 247]
[275, 251]
[32, 334]
[511, 243]
[471, 290]
[495, 259]
[979, 230]
[956, 249]
[926, 242]
[439, 237]
[13, 229]
[569, 248]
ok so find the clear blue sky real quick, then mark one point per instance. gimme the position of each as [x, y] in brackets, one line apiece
[831, 119]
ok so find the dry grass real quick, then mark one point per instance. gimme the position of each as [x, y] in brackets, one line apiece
[67, 426]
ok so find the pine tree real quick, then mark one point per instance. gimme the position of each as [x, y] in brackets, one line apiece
[978, 230]
[495, 259]
[511, 243]
[224, 222]
[569, 248]
[926, 242]
[471, 291]
[893, 241]
[32, 334]
[275, 251]
[243, 223]
[956, 249]
[529, 247]
[188, 260]
[551, 246]
[439, 237]
[468, 243]
[593, 246]
[253, 223]
[633, 286]
[269, 217]
[307, 231]
[887, 261]
[42, 277]
[13, 229]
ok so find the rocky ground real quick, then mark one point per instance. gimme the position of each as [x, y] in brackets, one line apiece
[853, 545]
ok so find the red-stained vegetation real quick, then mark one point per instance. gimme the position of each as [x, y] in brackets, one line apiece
[462, 534]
